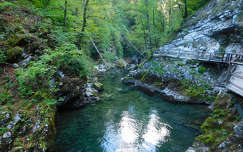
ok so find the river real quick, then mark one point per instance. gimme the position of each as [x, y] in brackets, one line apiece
[127, 120]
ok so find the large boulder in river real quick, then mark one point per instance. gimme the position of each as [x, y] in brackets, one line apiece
[75, 92]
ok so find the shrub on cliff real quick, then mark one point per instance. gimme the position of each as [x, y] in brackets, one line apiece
[35, 78]
[2, 57]
[67, 58]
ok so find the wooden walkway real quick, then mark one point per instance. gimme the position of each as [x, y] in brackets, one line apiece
[228, 58]
[235, 83]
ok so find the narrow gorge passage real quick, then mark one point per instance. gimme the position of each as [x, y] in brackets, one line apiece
[127, 120]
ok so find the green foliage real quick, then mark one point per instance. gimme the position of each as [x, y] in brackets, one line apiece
[202, 69]
[13, 53]
[195, 90]
[41, 3]
[158, 68]
[2, 57]
[209, 124]
[67, 58]
[36, 77]
[3, 130]
[219, 125]
[6, 4]
[219, 113]
[208, 138]
[62, 37]
[109, 56]
[194, 5]
[4, 97]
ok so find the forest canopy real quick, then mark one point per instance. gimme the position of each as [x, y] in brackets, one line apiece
[118, 27]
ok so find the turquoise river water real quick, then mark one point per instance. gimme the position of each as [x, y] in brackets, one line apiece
[127, 120]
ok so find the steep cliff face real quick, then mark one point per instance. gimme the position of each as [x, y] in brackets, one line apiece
[217, 28]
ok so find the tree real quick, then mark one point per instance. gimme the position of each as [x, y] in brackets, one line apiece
[65, 13]
[186, 11]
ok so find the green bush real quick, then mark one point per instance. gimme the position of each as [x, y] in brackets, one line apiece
[36, 77]
[6, 4]
[12, 54]
[109, 56]
[68, 59]
[208, 138]
[202, 69]
[2, 57]
[209, 124]
[41, 3]
[4, 97]
[62, 37]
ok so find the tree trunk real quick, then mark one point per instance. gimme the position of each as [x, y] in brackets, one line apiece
[65, 14]
[85, 15]
[146, 3]
[186, 12]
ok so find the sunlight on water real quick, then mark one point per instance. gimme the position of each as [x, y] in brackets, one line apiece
[130, 131]
[156, 133]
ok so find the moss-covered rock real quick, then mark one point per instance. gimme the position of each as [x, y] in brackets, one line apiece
[14, 39]
[217, 130]
[29, 130]
[121, 63]
[13, 54]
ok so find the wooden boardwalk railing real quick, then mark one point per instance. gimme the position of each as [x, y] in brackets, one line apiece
[235, 83]
[230, 58]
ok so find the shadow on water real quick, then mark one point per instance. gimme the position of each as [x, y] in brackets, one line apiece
[127, 120]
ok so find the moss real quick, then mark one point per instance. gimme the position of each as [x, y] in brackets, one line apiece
[202, 69]
[121, 63]
[4, 96]
[3, 130]
[14, 53]
[219, 126]
[2, 57]
[209, 124]
[208, 138]
[14, 39]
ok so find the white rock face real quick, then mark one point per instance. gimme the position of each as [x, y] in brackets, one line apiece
[209, 34]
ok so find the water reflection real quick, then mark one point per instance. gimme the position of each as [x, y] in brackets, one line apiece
[156, 133]
[131, 135]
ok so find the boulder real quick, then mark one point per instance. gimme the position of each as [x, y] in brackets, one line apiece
[98, 86]
[14, 54]
[239, 130]
[121, 63]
